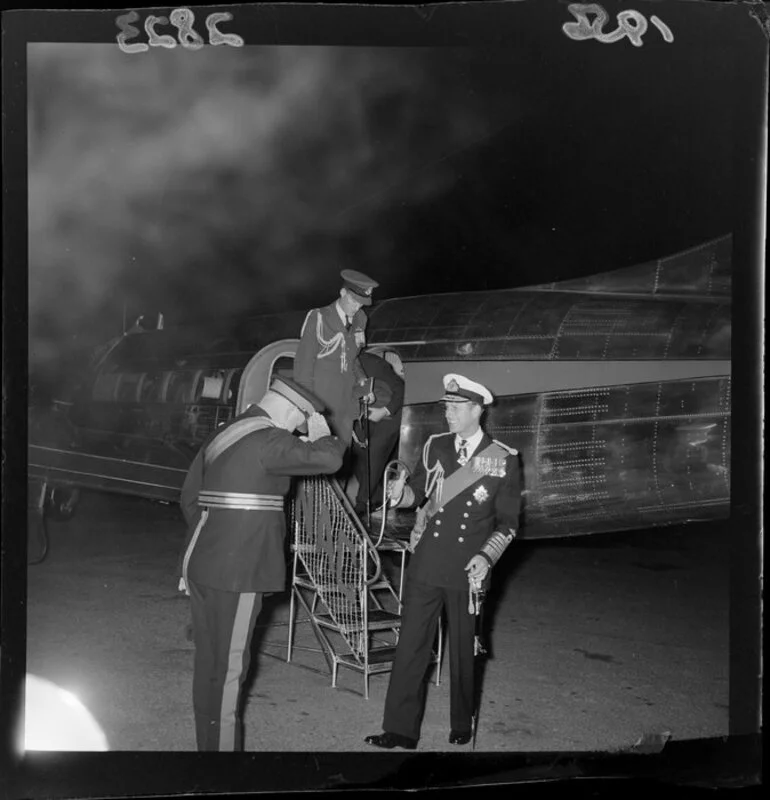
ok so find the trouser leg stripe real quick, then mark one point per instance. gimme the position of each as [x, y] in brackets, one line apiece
[231, 688]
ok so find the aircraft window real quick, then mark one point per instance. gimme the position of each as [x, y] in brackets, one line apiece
[180, 387]
[231, 389]
[105, 385]
[209, 386]
[151, 387]
[128, 387]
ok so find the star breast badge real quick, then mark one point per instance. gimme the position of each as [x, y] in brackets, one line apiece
[481, 494]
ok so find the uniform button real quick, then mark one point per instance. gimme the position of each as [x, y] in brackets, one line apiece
[468, 503]
[462, 527]
[465, 514]
[461, 539]
[438, 522]
[441, 511]
[436, 533]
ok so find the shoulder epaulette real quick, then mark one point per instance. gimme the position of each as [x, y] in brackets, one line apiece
[426, 446]
[307, 317]
[512, 450]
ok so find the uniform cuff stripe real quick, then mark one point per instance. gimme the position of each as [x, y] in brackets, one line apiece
[495, 546]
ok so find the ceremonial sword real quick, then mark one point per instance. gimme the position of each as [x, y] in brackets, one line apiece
[476, 607]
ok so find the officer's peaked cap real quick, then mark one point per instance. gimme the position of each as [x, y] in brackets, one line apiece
[459, 389]
[301, 397]
[359, 284]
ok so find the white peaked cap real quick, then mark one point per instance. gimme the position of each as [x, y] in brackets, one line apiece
[459, 389]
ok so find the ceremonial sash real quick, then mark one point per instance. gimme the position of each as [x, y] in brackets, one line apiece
[462, 478]
[233, 434]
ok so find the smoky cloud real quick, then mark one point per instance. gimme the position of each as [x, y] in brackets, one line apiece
[225, 181]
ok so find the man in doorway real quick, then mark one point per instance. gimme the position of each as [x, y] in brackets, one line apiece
[233, 502]
[376, 438]
[468, 495]
[326, 362]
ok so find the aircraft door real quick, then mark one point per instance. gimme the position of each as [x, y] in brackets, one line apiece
[276, 358]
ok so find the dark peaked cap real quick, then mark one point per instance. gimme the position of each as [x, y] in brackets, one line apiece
[359, 284]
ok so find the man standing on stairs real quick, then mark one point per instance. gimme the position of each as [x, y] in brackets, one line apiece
[468, 493]
[233, 502]
[375, 441]
[326, 362]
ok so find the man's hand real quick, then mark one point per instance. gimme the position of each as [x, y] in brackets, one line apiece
[183, 587]
[477, 569]
[396, 487]
[317, 427]
[378, 414]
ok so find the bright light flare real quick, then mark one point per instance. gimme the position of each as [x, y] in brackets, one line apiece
[55, 719]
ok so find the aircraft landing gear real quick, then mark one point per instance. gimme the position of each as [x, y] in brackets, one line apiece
[37, 526]
[62, 502]
[47, 502]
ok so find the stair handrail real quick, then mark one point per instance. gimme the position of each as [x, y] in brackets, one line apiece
[391, 468]
[358, 526]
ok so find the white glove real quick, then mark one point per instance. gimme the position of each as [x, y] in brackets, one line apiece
[396, 488]
[317, 427]
[414, 540]
[378, 414]
[183, 587]
[477, 569]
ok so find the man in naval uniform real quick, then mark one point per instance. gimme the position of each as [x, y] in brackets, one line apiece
[468, 495]
[233, 501]
[326, 361]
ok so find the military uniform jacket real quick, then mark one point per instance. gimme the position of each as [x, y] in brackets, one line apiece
[326, 363]
[239, 550]
[460, 527]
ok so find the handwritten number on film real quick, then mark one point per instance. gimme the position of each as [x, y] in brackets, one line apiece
[182, 19]
[630, 23]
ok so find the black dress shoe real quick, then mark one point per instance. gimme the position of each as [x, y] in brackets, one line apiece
[391, 740]
[459, 737]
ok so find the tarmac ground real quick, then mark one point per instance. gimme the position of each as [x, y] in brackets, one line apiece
[595, 644]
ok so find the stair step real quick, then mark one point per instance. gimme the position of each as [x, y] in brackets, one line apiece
[322, 588]
[391, 544]
[379, 655]
[378, 620]
[384, 584]
[333, 589]
[383, 619]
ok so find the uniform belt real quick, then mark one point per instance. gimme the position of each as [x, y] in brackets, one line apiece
[242, 501]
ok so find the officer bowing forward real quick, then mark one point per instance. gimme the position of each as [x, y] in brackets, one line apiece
[233, 501]
[468, 493]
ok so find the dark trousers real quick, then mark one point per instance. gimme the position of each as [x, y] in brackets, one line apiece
[383, 445]
[223, 624]
[405, 701]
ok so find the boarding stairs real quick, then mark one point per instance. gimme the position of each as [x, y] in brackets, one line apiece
[339, 583]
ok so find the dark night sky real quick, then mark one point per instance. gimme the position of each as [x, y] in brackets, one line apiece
[229, 181]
